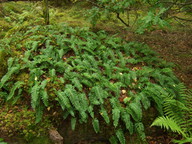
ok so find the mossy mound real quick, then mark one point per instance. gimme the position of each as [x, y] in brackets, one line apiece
[88, 75]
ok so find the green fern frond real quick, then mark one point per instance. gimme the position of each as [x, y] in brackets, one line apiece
[63, 100]
[95, 124]
[73, 96]
[104, 114]
[39, 113]
[77, 84]
[135, 111]
[115, 116]
[120, 136]
[73, 123]
[140, 130]
[168, 123]
[113, 140]
[35, 95]
[127, 120]
[17, 85]
[43, 92]
[7, 76]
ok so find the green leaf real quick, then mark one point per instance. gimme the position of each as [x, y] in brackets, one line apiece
[136, 111]
[113, 140]
[104, 114]
[17, 85]
[120, 136]
[7, 76]
[115, 116]
[35, 95]
[73, 123]
[39, 113]
[95, 124]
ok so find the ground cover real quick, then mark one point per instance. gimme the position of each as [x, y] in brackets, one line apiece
[72, 57]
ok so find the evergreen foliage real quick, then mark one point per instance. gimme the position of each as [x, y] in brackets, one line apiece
[81, 71]
[178, 115]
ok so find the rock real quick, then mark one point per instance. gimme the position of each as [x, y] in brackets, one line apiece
[55, 136]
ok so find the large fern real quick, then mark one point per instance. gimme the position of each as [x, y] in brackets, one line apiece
[178, 115]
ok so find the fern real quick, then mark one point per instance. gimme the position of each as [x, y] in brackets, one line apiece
[135, 111]
[7, 76]
[178, 115]
[17, 85]
[83, 72]
[127, 120]
[104, 114]
[63, 100]
[120, 136]
[113, 140]
[95, 124]
[116, 116]
[43, 93]
[73, 123]
[140, 130]
[35, 95]
[168, 123]
[39, 113]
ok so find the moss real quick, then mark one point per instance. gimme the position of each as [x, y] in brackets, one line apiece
[20, 121]
[3, 63]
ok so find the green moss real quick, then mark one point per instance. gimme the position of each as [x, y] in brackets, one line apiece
[3, 63]
[20, 121]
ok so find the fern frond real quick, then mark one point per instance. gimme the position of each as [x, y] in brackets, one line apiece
[115, 116]
[168, 123]
[120, 136]
[39, 113]
[135, 111]
[43, 92]
[35, 95]
[104, 114]
[73, 123]
[63, 100]
[95, 124]
[17, 85]
[7, 76]
[113, 140]
[140, 130]
[127, 120]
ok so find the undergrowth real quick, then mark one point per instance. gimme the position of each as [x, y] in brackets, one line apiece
[86, 74]
[178, 115]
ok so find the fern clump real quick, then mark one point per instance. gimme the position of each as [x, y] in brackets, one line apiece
[81, 71]
[178, 115]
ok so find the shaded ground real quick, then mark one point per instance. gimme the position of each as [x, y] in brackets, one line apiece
[174, 47]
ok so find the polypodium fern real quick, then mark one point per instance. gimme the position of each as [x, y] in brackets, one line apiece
[88, 75]
[35, 95]
[17, 85]
[95, 124]
[120, 136]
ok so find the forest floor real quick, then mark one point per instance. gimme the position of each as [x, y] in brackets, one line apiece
[173, 45]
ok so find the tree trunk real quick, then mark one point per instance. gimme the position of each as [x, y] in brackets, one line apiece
[46, 11]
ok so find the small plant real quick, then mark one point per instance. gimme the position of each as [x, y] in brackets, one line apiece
[178, 116]
[82, 71]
